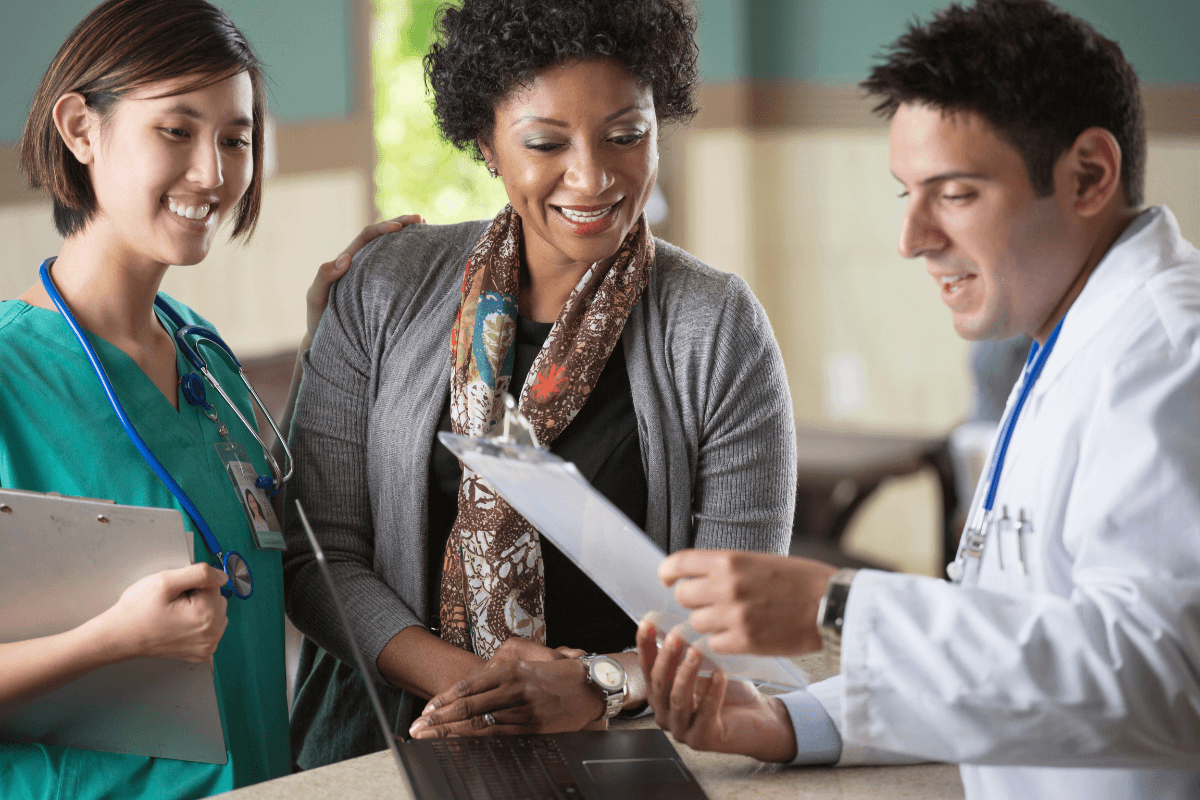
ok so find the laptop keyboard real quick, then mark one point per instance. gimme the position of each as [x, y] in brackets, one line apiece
[506, 768]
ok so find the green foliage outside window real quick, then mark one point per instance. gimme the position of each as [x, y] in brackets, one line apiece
[417, 171]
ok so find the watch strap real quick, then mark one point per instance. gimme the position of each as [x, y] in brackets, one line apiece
[831, 613]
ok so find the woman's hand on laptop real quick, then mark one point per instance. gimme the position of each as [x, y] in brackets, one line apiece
[711, 713]
[520, 696]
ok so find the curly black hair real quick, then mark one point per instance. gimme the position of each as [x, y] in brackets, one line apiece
[1038, 75]
[485, 48]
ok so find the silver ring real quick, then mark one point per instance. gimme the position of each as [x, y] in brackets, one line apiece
[489, 719]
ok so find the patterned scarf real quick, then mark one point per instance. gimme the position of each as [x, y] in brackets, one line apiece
[492, 583]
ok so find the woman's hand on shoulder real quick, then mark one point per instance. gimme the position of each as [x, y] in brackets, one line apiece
[523, 696]
[330, 271]
[176, 613]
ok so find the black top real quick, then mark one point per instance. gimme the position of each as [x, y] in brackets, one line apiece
[602, 441]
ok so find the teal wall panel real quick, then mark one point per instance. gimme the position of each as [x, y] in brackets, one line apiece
[835, 41]
[30, 33]
[1161, 38]
[724, 39]
[306, 45]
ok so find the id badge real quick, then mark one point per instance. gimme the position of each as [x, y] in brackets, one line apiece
[268, 533]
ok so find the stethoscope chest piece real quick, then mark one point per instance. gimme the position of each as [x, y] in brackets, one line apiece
[241, 582]
[955, 571]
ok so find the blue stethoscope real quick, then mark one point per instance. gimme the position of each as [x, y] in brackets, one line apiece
[975, 539]
[240, 580]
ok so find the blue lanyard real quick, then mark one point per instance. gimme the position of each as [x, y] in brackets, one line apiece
[234, 565]
[1038, 356]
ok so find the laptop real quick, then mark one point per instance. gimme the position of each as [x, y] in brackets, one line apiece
[593, 765]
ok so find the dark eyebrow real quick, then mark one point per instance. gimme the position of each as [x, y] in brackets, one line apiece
[953, 175]
[544, 120]
[183, 109]
[560, 124]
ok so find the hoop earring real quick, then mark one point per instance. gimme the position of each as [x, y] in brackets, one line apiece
[492, 171]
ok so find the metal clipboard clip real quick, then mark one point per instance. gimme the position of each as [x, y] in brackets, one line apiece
[514, 427]
[513, 437]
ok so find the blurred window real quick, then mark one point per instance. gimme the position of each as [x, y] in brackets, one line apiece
[417, 172]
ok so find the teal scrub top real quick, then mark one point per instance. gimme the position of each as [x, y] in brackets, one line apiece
[59, 433]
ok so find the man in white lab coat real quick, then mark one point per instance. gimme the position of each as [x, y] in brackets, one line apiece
[1063, 660]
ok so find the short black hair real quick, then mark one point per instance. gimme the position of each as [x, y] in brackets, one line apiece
[486, 48]
[1038, 75]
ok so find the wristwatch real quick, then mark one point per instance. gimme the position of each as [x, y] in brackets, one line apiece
[608, 676]
[832, 612]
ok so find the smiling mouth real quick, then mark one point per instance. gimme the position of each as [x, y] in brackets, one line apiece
[583, 217]
[952, 284]
[194, 211]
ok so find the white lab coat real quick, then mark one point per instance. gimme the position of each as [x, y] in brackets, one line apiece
[1081, 680]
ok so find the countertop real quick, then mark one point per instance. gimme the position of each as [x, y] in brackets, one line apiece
[723, 777]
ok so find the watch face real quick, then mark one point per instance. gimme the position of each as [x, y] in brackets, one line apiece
[607, 674]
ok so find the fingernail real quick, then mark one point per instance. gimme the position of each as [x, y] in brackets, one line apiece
[693, 655]
[342, 262]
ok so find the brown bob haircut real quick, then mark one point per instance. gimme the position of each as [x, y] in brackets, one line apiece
[122, 46]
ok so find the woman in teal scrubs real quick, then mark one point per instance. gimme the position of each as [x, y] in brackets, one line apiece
[146, 132]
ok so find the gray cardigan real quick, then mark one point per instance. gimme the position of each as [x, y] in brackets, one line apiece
[713, 411]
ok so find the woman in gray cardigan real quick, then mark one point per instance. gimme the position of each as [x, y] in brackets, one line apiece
[657, 375]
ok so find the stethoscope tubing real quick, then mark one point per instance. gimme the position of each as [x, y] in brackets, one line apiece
[1038, 356]
[202, 334]
[1034, 363]
[210, 540]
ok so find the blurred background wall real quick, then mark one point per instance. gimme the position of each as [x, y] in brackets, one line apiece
[783, 179]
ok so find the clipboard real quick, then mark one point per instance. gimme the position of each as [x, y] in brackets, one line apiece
[598, 538]
[63, 560]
